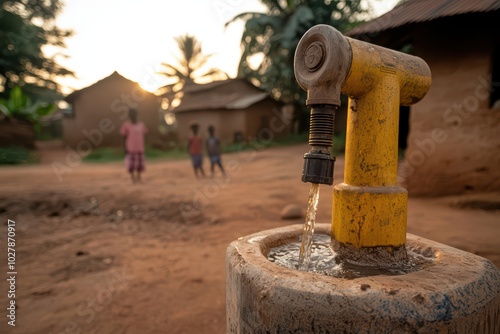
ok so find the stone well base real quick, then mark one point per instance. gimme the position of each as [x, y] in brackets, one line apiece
[459, 293]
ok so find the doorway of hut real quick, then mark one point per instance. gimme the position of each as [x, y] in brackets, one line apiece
[404, 130]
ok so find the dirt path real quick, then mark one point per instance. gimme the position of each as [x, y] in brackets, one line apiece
[96, 254]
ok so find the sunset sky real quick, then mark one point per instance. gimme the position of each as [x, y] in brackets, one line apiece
[134, 37]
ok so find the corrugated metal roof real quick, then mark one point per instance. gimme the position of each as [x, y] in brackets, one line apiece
[414, 11]
[213, 96]
[246, 101]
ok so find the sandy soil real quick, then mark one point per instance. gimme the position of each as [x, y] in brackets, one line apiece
[96, 254]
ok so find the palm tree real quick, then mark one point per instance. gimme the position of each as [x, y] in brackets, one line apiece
[274, 37]
[188, 69]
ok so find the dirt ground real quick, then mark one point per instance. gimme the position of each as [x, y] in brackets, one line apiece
[96, 254]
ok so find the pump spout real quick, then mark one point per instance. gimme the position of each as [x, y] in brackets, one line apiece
[321, 66]
[318, 163]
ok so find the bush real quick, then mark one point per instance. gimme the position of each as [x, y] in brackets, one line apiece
[337, 149]
[109, 154]
[16, 156]
[152, 153]
[104, 154]
[19, 106]
[20, 118]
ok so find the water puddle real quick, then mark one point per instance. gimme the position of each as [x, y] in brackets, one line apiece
[324, 261]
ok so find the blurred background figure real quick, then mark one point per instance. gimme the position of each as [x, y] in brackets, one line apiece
[195, 149]
[133, 133]
[213, 151]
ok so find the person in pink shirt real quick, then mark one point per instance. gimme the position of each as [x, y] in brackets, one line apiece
[133, 133]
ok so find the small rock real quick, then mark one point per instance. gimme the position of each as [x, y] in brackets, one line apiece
[81, 253]
[214, 220]
[115, 218]
[291, 211]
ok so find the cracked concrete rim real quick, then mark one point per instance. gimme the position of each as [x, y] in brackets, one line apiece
[460, 293]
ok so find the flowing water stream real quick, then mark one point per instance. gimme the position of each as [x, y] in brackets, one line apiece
[308, 231]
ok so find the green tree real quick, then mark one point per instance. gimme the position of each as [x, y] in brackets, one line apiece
[26, 27]
[189, 68]
[19, 121]
[274, 37]
[19, 106]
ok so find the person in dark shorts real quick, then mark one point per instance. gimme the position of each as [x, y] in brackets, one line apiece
[213, 150]
[195, 148]
[133, 133]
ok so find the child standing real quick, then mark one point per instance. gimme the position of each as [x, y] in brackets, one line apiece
[133, 133]
[213, 150]
[195, 148]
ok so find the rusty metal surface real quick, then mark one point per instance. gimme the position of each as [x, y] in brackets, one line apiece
[369, 208]
[321, 64]
[415, 11]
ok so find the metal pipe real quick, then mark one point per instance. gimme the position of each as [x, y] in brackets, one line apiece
[323, 96]
[369, 208]
[318, 163]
